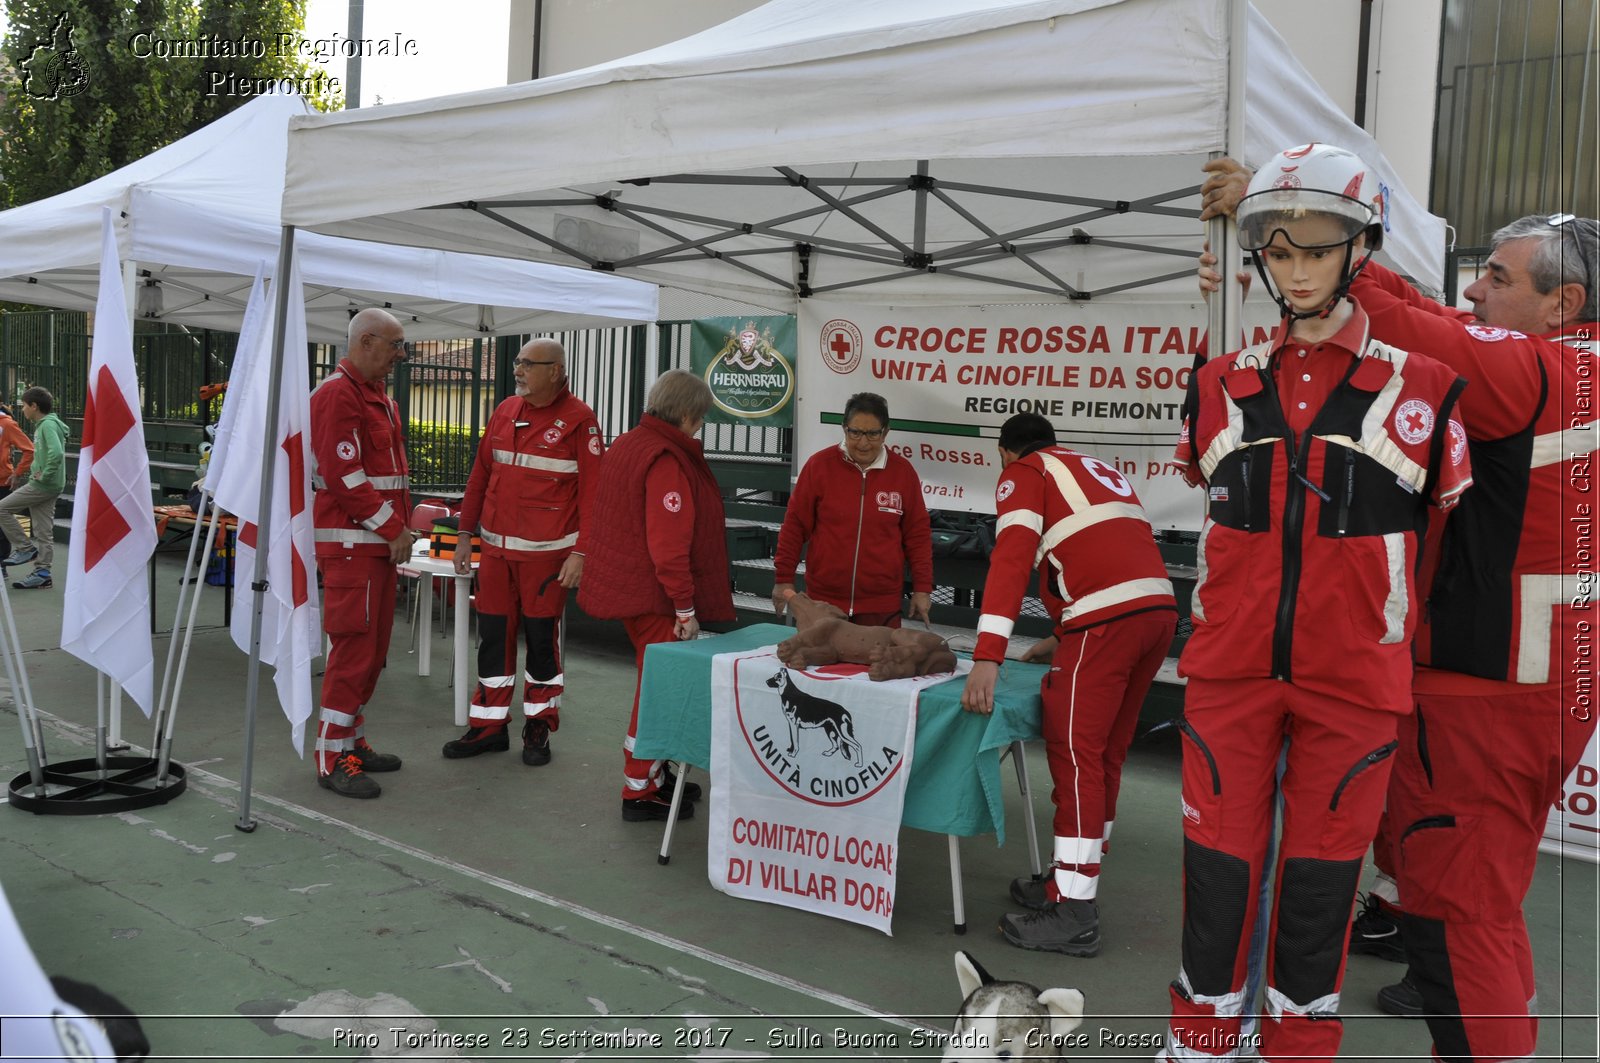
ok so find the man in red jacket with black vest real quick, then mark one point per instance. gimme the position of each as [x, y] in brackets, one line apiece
[536, 467]
[1503, 715]
[659, 560]
[360, 509]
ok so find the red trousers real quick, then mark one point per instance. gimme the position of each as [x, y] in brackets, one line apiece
[357, 617]
[1473, 783]
[1333, 793]
[642, 778]
[522, 592]
[1092, 694]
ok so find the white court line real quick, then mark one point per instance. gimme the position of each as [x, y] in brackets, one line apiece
[760, 974]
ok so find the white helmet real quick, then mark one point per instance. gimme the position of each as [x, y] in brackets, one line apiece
[1312, 179]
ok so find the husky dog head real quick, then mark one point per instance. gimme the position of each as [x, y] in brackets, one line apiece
[1008, 1020]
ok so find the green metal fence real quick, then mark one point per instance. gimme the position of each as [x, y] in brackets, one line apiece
[445, 389]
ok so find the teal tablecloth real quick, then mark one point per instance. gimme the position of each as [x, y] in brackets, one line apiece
[955, 771]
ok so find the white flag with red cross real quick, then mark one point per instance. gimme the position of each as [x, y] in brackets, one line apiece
[291, 624]
[105, 619]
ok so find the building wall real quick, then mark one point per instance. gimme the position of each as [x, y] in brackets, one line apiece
[580, 33]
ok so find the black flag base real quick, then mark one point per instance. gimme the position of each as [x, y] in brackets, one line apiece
[81, 788]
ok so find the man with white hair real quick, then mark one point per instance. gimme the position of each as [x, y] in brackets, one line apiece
[362, 502]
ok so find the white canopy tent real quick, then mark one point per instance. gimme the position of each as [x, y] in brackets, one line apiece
[898, 151]
[198, 216]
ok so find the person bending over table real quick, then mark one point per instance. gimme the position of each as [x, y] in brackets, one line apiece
[859, 507]
[658, 561]
[1105, 583]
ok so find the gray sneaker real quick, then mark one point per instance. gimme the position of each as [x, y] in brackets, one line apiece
[1072, 927]
[1030, 892]
[38, 579]
[21, 556]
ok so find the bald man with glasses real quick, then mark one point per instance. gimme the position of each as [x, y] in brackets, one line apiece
[360, 508]
[535, 471]
[1500, 722]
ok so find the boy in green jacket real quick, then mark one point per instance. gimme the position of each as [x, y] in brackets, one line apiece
[47, 479]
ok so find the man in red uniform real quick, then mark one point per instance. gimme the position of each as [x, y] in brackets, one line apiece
[360, 508]
[1101, 576]
[658, 561]
[535, 470]
[1321, 452]
[1502, 714]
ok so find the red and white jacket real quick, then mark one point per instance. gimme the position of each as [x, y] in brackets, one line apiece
[1319, 462]
[534, 473]
[1512, 573]
[1076, 519]
[358, 457]
[863, 527]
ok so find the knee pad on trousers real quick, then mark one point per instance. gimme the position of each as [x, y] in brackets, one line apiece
[1216, 897]
[1314, 899]
[539, 632]
[491, 644]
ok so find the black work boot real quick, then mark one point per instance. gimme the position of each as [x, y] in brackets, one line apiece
[348, 780]
[535, 742]
[372, 760]
[657, 806]
[478, 740]
[1072, 927]
[669, 783]
[1403, 998]
[1030, 892]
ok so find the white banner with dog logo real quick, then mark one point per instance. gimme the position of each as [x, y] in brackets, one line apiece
[808, 772]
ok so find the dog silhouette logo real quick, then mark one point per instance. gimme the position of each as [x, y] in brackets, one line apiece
[808, 712]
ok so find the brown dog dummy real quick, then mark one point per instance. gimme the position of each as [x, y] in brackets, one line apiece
[826, 637]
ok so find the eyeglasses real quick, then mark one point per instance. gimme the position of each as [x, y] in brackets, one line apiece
[399, 345]
[1558, 221]
[865, 433]
[528, 363]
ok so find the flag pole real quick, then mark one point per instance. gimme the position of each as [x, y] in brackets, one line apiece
[189, 572]
[31, 742]
[168, 718]
[258, 582]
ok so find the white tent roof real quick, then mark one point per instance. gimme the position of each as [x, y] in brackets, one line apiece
[900, 150]
[200, 214]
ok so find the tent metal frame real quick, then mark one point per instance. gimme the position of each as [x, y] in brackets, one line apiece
[902, 253]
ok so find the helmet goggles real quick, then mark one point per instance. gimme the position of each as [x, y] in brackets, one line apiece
[1308, 218]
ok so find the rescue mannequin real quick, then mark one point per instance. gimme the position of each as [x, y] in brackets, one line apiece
[827, 637]
[1322, 453]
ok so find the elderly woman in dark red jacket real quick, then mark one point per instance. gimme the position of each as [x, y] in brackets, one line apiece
[859, 506]
[657, 490]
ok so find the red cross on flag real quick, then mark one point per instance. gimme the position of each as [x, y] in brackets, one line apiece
[291, 625]
[105, 619]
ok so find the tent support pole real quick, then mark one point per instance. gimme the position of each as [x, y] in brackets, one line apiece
[258, 581]
[1225, 309]
[130, 284]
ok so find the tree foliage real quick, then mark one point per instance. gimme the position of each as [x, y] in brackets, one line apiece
[92, 85]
